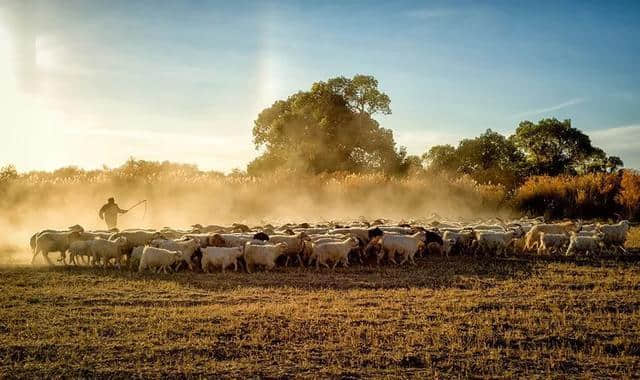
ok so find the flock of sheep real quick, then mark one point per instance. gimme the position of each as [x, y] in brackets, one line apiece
[204, 247]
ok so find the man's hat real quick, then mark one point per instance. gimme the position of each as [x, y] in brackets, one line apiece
[111, 200]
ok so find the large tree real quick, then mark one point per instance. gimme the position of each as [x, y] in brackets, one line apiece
[328, 128]
[554, 147]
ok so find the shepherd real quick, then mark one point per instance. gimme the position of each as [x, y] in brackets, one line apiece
[109, 212]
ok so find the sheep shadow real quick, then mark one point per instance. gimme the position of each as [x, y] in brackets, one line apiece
[459, 272]
[430, 272]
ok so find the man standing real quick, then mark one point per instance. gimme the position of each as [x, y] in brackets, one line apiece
[109, 212]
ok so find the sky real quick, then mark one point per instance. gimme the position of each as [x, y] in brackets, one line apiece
[92, 83]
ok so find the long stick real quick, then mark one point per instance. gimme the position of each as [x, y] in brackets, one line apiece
[137, 204]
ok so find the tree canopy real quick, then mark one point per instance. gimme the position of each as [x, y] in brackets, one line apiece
[554, 147]
[326, 129]
[488, 158]
[549, 147]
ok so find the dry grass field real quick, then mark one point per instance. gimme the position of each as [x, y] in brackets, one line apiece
[456, 317]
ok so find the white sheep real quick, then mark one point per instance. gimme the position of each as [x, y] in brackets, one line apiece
[158, 258]
[615, 235]
[532, 239]
[295, 244]
[463, 239]
[105, 250]
[551, 243]
[587, 244]
[263, 254]
[405, 245]
[186, 247]
[220, 256]
[493, 241]
[79, 248]
[47, 242]
[336, 252]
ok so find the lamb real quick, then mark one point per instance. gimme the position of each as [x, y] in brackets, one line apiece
[337, 252]
[47, 242]
[220, 256]
[187, 247]
[405, 245]
[533, 236]
[263, 254]
[158, 258]
[585, 244]
[106, 250]
[551, 243]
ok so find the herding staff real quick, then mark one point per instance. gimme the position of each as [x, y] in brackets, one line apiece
[138, 204]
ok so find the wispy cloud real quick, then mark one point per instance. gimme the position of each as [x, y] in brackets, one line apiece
[568, 103]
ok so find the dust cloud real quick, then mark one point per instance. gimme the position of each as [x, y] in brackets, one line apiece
[180, 202]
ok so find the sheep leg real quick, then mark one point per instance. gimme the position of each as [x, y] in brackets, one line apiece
[326, 265]
[33, 259]
[286, 262]
[406, 257]
[300, 260]
[235, 265]
[392, 257]
[335, 263]
[46, 257]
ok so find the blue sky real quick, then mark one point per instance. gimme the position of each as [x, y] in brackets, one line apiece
[93, 82]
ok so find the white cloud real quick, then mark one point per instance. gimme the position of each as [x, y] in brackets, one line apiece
[568, 103]
[419, 141]
[621, 141]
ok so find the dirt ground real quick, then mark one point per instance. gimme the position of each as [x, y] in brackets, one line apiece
[460, 316]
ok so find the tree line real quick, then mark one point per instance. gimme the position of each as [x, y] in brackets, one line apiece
[331, 128]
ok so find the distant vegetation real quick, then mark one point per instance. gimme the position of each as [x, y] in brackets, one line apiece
[323, 151]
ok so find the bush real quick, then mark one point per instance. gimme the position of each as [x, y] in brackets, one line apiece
[629, 196]
[597, 195]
